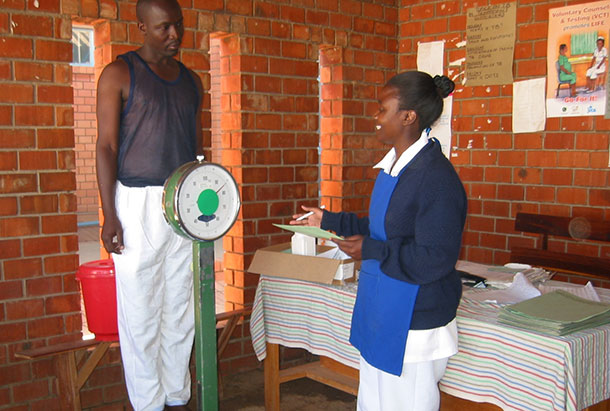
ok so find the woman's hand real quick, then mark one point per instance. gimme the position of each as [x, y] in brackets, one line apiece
[313, 220]
[351, 246]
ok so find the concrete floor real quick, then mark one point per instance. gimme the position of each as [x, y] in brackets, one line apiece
[245, 392]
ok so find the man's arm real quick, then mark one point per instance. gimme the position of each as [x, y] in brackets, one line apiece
[112, 90]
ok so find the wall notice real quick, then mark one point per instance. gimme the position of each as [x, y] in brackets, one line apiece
[490, 31]
[577, 60]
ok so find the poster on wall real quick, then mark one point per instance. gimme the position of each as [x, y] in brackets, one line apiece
[430, 60]
[490, 31]
[577, 60]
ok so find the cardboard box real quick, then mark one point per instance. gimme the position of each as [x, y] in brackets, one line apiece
[278, 260]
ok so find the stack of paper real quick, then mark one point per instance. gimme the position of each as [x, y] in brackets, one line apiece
[556, 313]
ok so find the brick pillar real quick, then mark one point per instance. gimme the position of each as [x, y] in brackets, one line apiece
[348, 144]
[85, 132]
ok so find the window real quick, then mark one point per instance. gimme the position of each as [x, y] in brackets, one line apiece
[583, 43]
[82, 46]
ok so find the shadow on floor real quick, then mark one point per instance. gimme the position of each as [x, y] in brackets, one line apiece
[245, 392]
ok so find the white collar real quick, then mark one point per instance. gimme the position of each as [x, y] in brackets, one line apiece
[393, 167]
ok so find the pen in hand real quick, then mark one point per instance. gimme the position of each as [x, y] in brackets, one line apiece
[304, 216]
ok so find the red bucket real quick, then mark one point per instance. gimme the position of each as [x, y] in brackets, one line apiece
[99, 294]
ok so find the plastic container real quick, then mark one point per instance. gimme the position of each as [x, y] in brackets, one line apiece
[99, 294]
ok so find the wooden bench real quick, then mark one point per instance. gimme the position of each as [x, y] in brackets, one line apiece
[75, 361]
[576, 228]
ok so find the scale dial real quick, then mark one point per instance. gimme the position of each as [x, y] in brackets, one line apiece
[201, 201]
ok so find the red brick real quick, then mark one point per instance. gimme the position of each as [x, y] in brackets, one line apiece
[32, 25]
[542, 159]
[527, 175]
[496, 208]
[40, 246]
[592, 141]
[48, 5]
[510, 192]
[55, 94]
[557, 177]
[20, 310]
[65, 223]
[599, 197]
[14, 47]
[10, 248]
[37, 160]
[44, 286]
[8, 161]
[23, 268]
[62, 304]
[533, 67]
[5, 70]
[573, 159]
[559, 141]
[57, 181]
[539, 193]
[294, 14]
[8, 206]
[533, 31]
[436, 26]
[55, 138]
[30, 391]
[591, 178]
[567, 195]
[34, 115]
[33, 71]
[10, 290]
[61, 264]
[18, 227]
[12, 332]
[484, 157]
[39, 204]
[53, 50]
[293, 49]
[17, 93]
[46, 327]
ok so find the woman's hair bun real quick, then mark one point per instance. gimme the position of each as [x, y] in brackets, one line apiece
[444, 85]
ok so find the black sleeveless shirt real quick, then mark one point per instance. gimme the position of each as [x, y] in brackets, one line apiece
[158, 124]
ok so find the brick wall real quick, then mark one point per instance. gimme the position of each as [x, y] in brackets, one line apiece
[560, 171]
[273, 123]
[85, 135]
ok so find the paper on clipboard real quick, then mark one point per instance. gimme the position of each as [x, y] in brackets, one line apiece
[310, 231]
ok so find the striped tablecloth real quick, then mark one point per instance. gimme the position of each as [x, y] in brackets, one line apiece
[512, 368]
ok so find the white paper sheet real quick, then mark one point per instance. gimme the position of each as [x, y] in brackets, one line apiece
[430, 57]
[441, 129]
[529, 112]
[520, 290]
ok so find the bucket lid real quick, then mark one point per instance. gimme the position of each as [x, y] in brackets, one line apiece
[95, 269]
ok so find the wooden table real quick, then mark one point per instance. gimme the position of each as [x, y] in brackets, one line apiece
[502, 366]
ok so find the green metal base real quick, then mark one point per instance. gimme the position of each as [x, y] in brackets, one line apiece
[205, 325]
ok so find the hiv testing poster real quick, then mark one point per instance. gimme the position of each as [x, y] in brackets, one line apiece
[577, 60]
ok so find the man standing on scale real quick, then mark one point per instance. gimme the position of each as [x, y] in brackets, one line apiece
[148, 115]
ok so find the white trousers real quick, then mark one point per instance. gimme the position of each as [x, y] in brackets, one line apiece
[415, 390]
[594, 72]
[154, 302]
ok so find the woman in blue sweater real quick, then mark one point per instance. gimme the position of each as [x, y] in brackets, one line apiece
[403, 322]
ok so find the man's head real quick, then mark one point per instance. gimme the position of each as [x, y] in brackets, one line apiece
[162, 24]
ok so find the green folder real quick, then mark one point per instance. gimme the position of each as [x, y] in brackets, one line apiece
[556, 313]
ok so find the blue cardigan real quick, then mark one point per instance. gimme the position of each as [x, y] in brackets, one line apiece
[423, 224]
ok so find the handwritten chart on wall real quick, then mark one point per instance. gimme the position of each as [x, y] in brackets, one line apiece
[490, 32]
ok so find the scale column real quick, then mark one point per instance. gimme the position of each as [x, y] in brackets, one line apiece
[205, 325]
